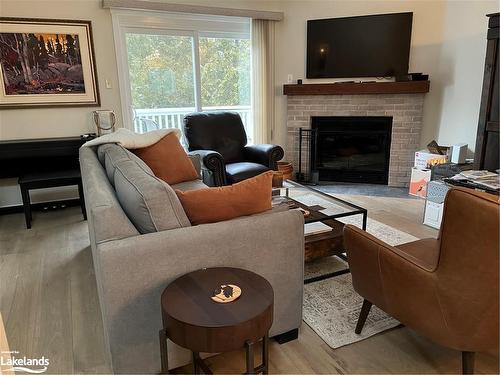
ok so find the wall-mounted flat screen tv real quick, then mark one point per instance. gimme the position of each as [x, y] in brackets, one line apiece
[364, 46]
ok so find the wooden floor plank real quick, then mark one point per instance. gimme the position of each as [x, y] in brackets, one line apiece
[56, 335]
[88, 336]
[23, 321]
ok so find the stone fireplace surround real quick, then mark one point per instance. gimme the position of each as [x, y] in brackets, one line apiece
[406, 110]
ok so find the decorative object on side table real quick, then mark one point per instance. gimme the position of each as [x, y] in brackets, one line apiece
[226, 293]
[193, 320]
[47, 63]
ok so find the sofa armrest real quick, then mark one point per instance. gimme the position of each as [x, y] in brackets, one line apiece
[134, 272]
[212, 166]
[265, 154]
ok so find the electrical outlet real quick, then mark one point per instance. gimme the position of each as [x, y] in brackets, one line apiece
[290, 78]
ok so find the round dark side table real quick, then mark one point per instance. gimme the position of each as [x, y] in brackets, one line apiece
[191, 318]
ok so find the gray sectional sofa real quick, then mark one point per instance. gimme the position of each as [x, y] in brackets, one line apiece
[141, 240]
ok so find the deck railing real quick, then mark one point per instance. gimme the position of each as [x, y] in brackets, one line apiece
[168, 118]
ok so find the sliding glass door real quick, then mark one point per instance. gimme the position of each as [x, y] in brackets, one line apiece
[201, 65]
[225, 76]
[162, 83]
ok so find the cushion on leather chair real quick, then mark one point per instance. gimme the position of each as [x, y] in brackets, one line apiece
[424, 253]
[220, 131]
[237, 172]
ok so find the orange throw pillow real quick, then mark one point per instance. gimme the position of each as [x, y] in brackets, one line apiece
[168, 160]
[223, 203]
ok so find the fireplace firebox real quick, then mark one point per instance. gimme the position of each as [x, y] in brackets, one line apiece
[351, 148]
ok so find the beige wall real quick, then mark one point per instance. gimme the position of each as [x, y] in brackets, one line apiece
[448, 42]
[59, 122]
[426, 37]
[459, 72]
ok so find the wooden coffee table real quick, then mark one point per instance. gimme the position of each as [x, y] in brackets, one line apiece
[324, 209]
[194, 321]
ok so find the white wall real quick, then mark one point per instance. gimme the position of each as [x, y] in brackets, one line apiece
[448, 42]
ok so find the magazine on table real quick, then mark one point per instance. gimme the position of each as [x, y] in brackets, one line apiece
[477, 175]
[491, 183]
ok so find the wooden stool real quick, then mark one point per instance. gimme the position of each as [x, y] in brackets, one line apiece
[194, 321]
[44, 180]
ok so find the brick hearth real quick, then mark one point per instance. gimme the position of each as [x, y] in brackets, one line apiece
[406, 111]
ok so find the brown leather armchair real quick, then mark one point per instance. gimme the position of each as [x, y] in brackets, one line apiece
[445, 289]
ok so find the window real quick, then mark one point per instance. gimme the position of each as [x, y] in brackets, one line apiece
[171, 65]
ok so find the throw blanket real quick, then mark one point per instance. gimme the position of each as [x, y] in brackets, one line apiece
[130, 140]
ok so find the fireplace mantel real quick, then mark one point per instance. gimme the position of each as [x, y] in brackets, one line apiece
[358, 88]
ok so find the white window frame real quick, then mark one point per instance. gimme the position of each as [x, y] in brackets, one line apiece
[158, 23]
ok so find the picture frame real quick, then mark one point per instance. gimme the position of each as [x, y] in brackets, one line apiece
[47, 63]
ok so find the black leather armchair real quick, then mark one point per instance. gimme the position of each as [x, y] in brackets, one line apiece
[220, 139]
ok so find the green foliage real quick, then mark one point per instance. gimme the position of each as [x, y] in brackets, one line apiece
[161, 71]
[225, 71]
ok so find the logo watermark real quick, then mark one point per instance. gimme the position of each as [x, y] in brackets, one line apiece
[10, 363]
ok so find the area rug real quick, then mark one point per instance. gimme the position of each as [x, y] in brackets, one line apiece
[331, 306]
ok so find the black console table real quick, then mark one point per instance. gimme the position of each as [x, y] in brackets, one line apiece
[42, 163]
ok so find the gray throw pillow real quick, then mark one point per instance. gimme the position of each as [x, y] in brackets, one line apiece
[112, 153]
[101, 151]
[150, 203]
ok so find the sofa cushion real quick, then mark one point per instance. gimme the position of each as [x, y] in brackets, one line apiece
[190, 185]
[112, 157]
[168, 160]
[237, 172]
[150, 204]
[101, 151]
[110, 154]
[215, 204]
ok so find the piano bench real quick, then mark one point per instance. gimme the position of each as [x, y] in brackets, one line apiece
[42, 180]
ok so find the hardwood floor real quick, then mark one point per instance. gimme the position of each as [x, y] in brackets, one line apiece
[48, 296]
[49, 305]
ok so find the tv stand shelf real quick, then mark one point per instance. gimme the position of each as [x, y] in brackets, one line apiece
[357, 88]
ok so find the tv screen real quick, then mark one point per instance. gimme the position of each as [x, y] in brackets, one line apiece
[365, 46]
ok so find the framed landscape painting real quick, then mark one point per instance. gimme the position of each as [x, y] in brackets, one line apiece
[46, 63]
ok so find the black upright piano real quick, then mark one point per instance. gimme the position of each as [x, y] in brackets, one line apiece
[23, 156]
